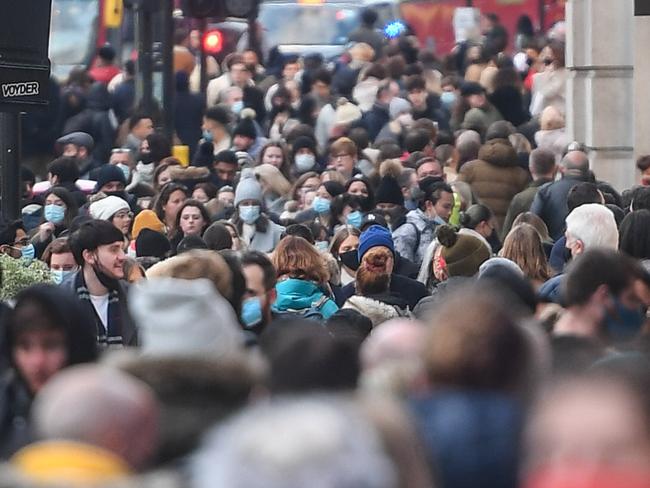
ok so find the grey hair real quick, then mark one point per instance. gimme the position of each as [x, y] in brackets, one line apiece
[319, 441]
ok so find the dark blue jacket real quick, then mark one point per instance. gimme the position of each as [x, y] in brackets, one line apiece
[375, 119]
[550, 204]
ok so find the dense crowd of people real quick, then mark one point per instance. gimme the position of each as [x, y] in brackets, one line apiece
[392, 270]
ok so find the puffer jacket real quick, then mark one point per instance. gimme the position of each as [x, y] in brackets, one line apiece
[377, 309]
[495, 177]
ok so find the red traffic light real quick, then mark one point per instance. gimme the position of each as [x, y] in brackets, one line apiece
[213, 42]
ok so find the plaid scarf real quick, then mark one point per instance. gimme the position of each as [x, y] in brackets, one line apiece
[110, 336]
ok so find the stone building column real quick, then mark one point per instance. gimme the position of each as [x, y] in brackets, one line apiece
[642, 78]
[600, 102]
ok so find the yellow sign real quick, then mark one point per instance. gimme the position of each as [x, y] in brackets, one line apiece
[182, 153]
[113, 12]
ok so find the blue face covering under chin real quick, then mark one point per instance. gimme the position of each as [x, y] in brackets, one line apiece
[28, 252]
[251, 312]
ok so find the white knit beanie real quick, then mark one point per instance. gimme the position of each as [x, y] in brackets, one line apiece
[248, 187]
[105, 208]
[183, 317]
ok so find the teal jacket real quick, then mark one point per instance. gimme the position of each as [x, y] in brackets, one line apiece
[296, 294]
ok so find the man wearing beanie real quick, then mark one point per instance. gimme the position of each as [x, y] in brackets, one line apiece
[246, 137]
[406, 289]
[108, 179]
[303, 154]
[255, 228]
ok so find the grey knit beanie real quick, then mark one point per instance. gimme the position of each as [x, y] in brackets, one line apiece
[248, 187]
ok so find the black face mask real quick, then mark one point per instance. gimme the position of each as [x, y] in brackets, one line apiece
[145, 157]
[350, 259]
[104, 279]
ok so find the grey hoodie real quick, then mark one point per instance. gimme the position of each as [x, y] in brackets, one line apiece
[412, 243]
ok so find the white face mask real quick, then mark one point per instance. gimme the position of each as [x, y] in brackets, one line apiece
[305, 162]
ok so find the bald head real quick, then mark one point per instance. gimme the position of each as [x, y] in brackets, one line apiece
[99, 406]
[575, 163]
[393, 340]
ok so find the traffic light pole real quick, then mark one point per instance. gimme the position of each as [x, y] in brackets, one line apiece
[204, 65]
[10, 186]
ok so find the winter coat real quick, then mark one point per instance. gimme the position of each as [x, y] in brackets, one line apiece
[267, 234]
[375, 119]
[471, 437]
[295, 294]
[406, 289]
[550, 204]
[434, 111]
[414, 236]
[15, 404]
[510, 104]
[495, 177]
[378, 309]
[521, 203]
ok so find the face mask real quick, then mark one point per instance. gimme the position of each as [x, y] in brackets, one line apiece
[305, 162]
[355, 219]
[448, 98]
[126, 170]
[54, 213]
[207, 136]
[322, 246]
[251, 312]
[237, 107]
[321, 205]
[60, 275]
[28, 252]
[145, 158]
[350, 259]
[108, 281]
[249, 213]
[624, 323]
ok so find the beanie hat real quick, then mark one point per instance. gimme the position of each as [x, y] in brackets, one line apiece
[390, 192]
[334, 188]
[190, 242]
[248, 188]
[375, 236]
[108, 173]
[471, 88]
[463, 253]
[303, 142]
[151, 243]
[346, 112]
[146, 219]
[105, 208]
[246, 128]
[398, 106]
[183, 317]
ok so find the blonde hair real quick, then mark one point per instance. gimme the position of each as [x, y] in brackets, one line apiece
[296, 258]
[523, 246]
[344, 145]
[195, 264]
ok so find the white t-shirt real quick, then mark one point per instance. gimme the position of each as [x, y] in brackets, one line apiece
[100, 302]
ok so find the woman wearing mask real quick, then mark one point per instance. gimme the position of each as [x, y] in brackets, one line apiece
[46, 331]
[320, 210]
[303, 155]
[480, 219]
[344, 249]
[168, 203]
[258, 232]
[58, 256]
[302, 281]
[346, 210]
[360, 187]
[191, 220]
[154, 148]
[59, 210]
[308, 182]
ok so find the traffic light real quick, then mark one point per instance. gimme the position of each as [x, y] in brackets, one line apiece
[220, 8]
[213, 42]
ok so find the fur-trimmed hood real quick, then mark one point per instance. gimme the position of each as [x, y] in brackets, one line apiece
[498, 152]
[377, 311]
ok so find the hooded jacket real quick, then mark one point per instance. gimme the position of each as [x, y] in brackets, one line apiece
[413, 237]
[495, 177]
[296, 295]
[378, 309]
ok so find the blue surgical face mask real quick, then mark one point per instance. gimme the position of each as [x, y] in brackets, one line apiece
[207, 136]
[237, 107]
[448, 98]
[126, 170]
[321, 205]
[355, 219]
[249, 213]
[28, 252]
[305, 162]
[322, 246]
[54, 213]
[60, 275]
[251, 312]
[623, 324]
